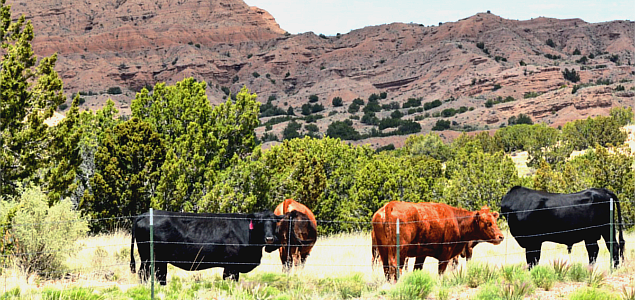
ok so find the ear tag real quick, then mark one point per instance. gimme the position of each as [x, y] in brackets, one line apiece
[251, 225]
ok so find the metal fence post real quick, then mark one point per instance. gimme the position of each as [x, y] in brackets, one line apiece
[151, 254]
[397, 249]
[611, 235]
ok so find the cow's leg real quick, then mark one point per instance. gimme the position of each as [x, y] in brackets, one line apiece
[285, 259]
[592, 249]
[161, 270]
[616, 251]
[144, 271]
[419, 263]
[532, 254]
[443, 265]
[230, 274]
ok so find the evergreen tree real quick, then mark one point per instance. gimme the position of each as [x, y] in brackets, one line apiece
[30, 91]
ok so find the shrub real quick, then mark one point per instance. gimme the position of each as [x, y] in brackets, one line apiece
[415, 285]
[576, 52]
[441, 125]
[383, 95]
[412, 102]
[50, 235]
[543, 276]
[349, 286]
[578, 272]
[572, 75]
[561, 268]
[255, 74]
[63, 106]
[313, 98]
[550, 43]
[528, 95]
[337, 102]
[479, 273]
[235, 79]
[396, 114]
[114, 90]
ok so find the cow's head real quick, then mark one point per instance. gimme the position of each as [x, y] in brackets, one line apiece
[485, 222]
[265, 230]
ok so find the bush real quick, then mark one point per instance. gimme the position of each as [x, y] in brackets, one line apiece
[313, 98]
[415, 285]
[543, 276]
[572, 75]
[550, 43]
[114, 90]
[49, 236]
[337, 102]
[63, 106]
[441, 125]
[578, 272]
[479, 273]
[255, 74]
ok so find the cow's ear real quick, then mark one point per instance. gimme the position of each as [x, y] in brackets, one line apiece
[477, 215]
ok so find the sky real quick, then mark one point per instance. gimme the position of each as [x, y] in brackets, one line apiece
[330, 17]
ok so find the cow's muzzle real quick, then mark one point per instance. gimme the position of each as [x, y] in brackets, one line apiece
[499, 239]
[269, 240]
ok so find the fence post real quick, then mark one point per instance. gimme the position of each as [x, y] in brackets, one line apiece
[397, 248]
[151, 254]
[611, 235]
[289, 262]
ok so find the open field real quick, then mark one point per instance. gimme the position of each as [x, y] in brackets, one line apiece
[103, 264]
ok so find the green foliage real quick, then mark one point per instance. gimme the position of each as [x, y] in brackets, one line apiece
[441, 125]
[46, 233]
[337, 102]
[601, 130]
[199, 140]
[576, 52]
[114, 90]
[550, 43]
[592, 294]
[412, 102]
[430, 144]
[313, 98]
[520, 119]
[431, 105]
[396, 114]
[31, 91]
[128, 171]
[529, 95]
[578, 272]
[571, 75]
[543, 277]
[291, 131]
[477, 178]
[415, 285]
[255, 74]
[353, 108]
[372, 106]
[342, 130]
[479, 273]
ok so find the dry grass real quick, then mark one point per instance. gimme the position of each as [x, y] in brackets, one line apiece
[104, 262]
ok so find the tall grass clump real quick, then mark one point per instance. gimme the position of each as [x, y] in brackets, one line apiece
[578, 272]
[592, 294]
[415, 285]
[628, 293]
[346, 287]
[543, 276]
[479, 273]
[39, 237]
[596, 278]
[561, 267]
[517, 282]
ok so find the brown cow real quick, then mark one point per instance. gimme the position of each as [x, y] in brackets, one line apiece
[378, 239]
[298, 252]
[433, 229]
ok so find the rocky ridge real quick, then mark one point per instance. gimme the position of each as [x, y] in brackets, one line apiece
[130, 44]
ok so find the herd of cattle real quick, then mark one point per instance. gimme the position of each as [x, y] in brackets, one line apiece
[235, 241]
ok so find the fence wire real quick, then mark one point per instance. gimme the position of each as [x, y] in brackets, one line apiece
[103, 270]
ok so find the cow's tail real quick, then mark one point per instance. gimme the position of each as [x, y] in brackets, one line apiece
[132, 262]
[621, 242]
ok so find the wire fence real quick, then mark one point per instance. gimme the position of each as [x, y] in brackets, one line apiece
[104, 260]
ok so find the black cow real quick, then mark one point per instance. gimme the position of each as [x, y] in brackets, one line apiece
[201, 241]
[535, 217]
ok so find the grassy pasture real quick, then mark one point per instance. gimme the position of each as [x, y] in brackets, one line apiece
[103, 266]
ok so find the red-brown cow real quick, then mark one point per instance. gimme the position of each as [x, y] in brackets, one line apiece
[433, 229]
[296, 254]
[379, 239]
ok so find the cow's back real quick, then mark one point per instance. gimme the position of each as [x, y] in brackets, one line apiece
[290, 204]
